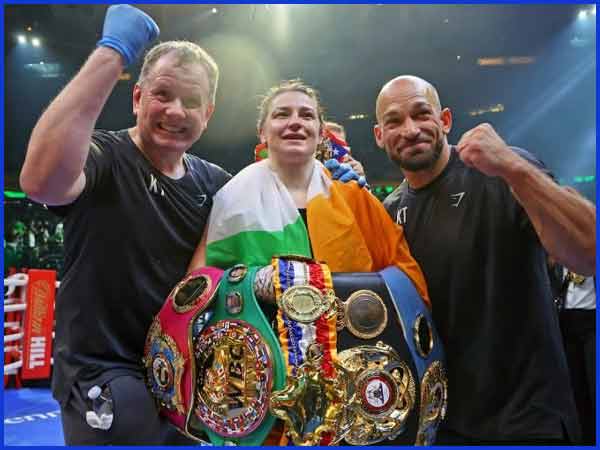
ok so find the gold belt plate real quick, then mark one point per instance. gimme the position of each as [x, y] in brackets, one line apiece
[384, 395]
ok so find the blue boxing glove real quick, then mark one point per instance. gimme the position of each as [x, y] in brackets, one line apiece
[128, 30]
[343, 172]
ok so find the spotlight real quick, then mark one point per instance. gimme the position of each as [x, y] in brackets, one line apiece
[582, 15]
[35, 42]
[21, 39]
[214, 10]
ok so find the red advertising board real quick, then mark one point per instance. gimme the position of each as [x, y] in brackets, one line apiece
[39, 323]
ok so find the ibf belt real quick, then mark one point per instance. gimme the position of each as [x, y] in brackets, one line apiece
[239, 364]
[313, 403]
[170, 369]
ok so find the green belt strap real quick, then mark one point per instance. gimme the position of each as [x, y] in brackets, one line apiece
[252, 313]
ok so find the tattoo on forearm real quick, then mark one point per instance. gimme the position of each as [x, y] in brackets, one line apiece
[263, 285]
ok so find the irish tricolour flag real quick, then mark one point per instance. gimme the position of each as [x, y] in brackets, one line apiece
[254, 218]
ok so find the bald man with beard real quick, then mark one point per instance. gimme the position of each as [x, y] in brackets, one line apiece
[480, 218]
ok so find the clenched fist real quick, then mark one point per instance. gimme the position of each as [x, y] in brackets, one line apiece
[483, 149]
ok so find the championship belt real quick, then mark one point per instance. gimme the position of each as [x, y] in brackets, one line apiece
[313, 404]
[386, 340]
[239, 363]
[170, 367]
[363, 360]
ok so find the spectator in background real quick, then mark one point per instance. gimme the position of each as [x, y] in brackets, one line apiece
[13, 253]
[339, 131]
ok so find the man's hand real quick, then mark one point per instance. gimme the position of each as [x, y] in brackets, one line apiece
[356, 165]
[483, 149]
[128, 30]
[564, 222]
[344, 172]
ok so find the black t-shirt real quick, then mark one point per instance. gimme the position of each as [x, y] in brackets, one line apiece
[129, 238]
[486, 273]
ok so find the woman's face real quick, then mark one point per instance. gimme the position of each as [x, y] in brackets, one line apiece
[292, 128]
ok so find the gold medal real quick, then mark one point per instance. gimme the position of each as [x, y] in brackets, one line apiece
[313, 405]
[303, 303]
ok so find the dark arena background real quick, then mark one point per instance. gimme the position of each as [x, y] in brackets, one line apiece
[529, 70]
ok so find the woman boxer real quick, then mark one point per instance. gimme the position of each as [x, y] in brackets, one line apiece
[342, 363]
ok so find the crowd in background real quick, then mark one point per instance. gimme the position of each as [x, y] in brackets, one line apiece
[33, 238]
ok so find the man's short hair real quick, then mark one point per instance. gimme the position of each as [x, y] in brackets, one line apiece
[186, 53]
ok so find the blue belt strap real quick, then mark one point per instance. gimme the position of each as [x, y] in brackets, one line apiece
[409, 305]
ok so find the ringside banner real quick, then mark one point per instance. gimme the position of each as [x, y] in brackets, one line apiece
[39, 320]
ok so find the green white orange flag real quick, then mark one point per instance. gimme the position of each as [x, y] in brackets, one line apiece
[254, 218]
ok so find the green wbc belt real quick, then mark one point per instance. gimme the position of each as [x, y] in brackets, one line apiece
[239, 364]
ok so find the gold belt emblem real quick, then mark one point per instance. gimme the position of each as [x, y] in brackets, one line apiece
[384, 394]
[235, 378]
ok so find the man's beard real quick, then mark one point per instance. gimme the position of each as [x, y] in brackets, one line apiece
[415, 165]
